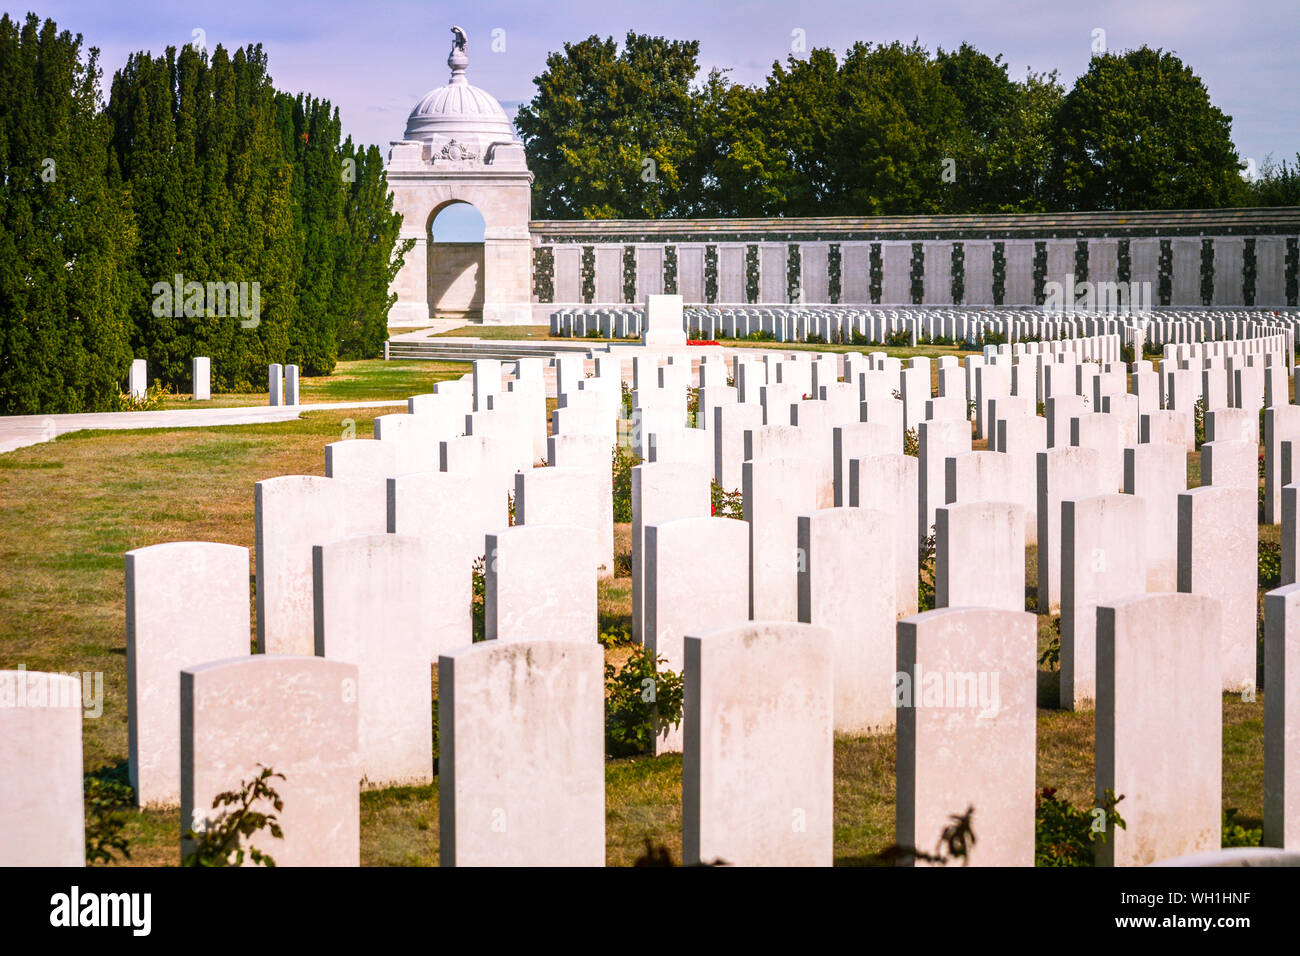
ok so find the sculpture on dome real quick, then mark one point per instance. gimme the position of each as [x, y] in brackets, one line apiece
[459, 39]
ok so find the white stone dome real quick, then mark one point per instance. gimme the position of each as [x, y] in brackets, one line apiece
[459, 111]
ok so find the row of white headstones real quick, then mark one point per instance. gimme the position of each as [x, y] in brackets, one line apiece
[792, 624]
[283, 381]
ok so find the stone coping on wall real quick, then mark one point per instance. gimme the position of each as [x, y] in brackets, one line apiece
[1253, 221]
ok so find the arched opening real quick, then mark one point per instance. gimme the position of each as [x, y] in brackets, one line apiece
[455, 266]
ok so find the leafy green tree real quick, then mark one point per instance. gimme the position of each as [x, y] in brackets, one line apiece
[608, 132]
[1138, 131]
[369, 255]
[1000, 151]
[1278, 183]
[66, 233]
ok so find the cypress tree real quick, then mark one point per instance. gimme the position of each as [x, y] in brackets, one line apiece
[65, 228]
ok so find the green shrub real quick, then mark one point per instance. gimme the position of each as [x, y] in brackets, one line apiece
[727, 504]
[1051, 655]
[151, 400]
[614, 632]
[925, 574]
[1064, 835]
[902, 338]
[109, 797]
[478, 614]
[642, 698]
[1234, 834]
[624, 461]
[220, 842]
[761, 335]
[912, 443]
[1198, 421]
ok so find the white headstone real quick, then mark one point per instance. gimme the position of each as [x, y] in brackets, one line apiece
[521, 756]
[1162, 752]
[371, 611]
[967, 699]
[294, 715]
[186, 603]
[757, 768]
[538, 586]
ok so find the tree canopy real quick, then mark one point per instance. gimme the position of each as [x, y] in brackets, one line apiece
[196, 169]
[634, 131]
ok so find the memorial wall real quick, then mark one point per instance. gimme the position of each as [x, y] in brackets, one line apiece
[1228, 257]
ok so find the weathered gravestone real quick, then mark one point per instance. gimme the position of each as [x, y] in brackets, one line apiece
[186, 603]
[685, 594]
[1162, 751]
[292, 514]
[847, 585]
[1282, 717]
[294, 715]
[453, 514]
[539, 584]
[42, 822]
[521, 761]
[1102, 559]
[757, 767]
[371, 611]
[966, 693]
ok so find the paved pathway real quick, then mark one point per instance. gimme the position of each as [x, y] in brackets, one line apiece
[18, 431]
[436, 326]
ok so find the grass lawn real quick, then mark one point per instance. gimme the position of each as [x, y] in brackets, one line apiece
[360, 381]
[70, 508]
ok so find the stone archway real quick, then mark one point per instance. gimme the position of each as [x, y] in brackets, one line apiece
[455, 233]
[460, 147]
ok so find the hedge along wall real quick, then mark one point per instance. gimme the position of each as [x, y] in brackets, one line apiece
[1224, 257]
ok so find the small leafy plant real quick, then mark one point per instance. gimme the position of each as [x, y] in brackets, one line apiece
[1051, 655]
[1065, 835]
[478, 588]
[1270, 564]
[624, 461]
[727, 504]
[1234, 834]
[642, 700]
[150, 401]
[108, 798]
[220, 842]
[925, 572]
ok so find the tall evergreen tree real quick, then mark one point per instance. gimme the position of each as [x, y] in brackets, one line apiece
[66, 233]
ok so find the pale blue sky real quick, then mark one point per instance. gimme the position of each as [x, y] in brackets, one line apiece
[375, 60]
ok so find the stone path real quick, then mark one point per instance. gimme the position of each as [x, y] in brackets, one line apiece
[19, 431]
